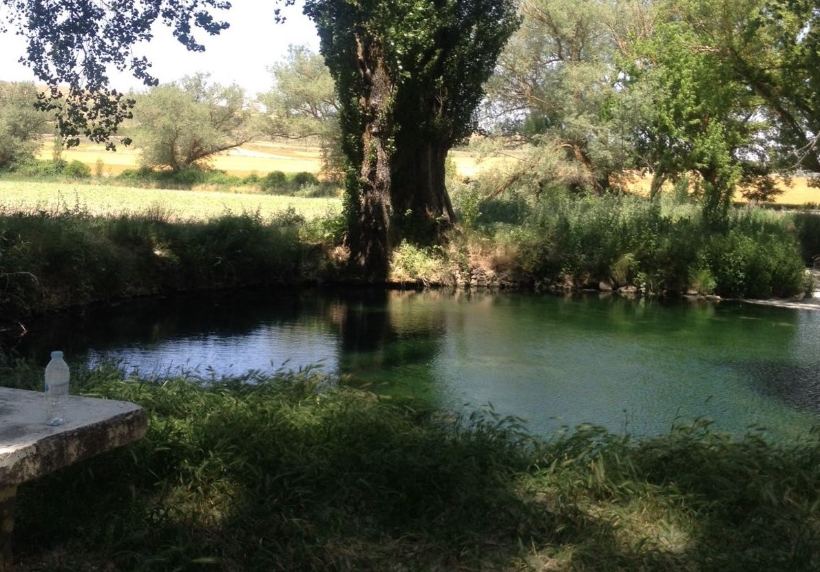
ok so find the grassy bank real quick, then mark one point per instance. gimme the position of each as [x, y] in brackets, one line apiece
[104, 243]
[68, 257]
[285, 473]
[563, 241]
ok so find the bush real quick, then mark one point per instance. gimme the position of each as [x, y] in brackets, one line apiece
[758, 257]
[77, 170]
[303, 179]
[190, 176]
[808, 233]
[274, 181]
[319, 190]
[660, 248]
[40, 169]
[467, 204]
[412, 264]
[184, 178]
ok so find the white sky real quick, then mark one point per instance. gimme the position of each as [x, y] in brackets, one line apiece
[239, 55]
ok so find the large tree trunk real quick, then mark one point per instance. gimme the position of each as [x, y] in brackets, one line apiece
[370, 241]
[717, 197]
[421, 204]
[370, 232]
[658, 179]
[401, 191]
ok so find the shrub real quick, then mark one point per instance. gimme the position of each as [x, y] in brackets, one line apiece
[274, 181]
[77, 170]
[467, 204]
[808, 233]
[660, 248]
[35, 168]
[303, 179]
[188, 176]
[419, 265]
[318, 190]
[184, 178]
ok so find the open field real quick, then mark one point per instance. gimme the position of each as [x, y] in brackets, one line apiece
[262, 157]
[795, 191]
[258, 157]
[177, 205]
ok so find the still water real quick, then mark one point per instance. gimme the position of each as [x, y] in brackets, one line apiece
[628, 365]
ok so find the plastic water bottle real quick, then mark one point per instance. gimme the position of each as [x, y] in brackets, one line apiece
[57, 376]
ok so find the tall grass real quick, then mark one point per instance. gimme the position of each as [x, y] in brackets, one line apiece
[291, 473]
[658, 247]
[52, 259]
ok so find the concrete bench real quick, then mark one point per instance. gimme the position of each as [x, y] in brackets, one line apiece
[30, 449]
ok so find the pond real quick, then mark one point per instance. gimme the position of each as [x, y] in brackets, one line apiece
[638, 366]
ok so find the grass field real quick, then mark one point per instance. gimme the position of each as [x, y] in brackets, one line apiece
[262, 157]
[177, 205]
[258, 157]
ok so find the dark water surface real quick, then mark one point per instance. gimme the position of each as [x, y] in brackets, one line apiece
[627, 365]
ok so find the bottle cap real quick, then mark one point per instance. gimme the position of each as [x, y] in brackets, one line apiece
[56, 355]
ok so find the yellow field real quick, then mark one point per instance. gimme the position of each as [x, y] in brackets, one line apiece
[795, 192]
[104, 200]
[258, 157]
[262, 157]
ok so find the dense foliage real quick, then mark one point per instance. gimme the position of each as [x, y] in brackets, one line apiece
[67, 257]
[773, 48]
[303, 104]
[702, 95]
[70, 45]
[20, 123]
[564, 242]
[182, 125]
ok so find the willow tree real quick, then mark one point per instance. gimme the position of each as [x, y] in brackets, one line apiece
[409, 75]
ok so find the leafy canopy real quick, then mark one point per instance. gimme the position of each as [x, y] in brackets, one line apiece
[436, 53]
[70, 44]
[303, 104]
[183, 124]
[20, 123]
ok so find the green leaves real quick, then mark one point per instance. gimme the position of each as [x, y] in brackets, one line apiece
[182, 125]
[20, 123]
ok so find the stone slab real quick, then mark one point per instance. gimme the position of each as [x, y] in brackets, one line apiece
[30, 449]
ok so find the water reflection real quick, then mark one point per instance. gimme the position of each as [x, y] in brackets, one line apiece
[637, 365]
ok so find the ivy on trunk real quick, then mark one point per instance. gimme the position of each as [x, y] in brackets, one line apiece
[409, 75]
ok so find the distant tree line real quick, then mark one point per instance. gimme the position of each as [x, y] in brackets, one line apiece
[182, 125]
